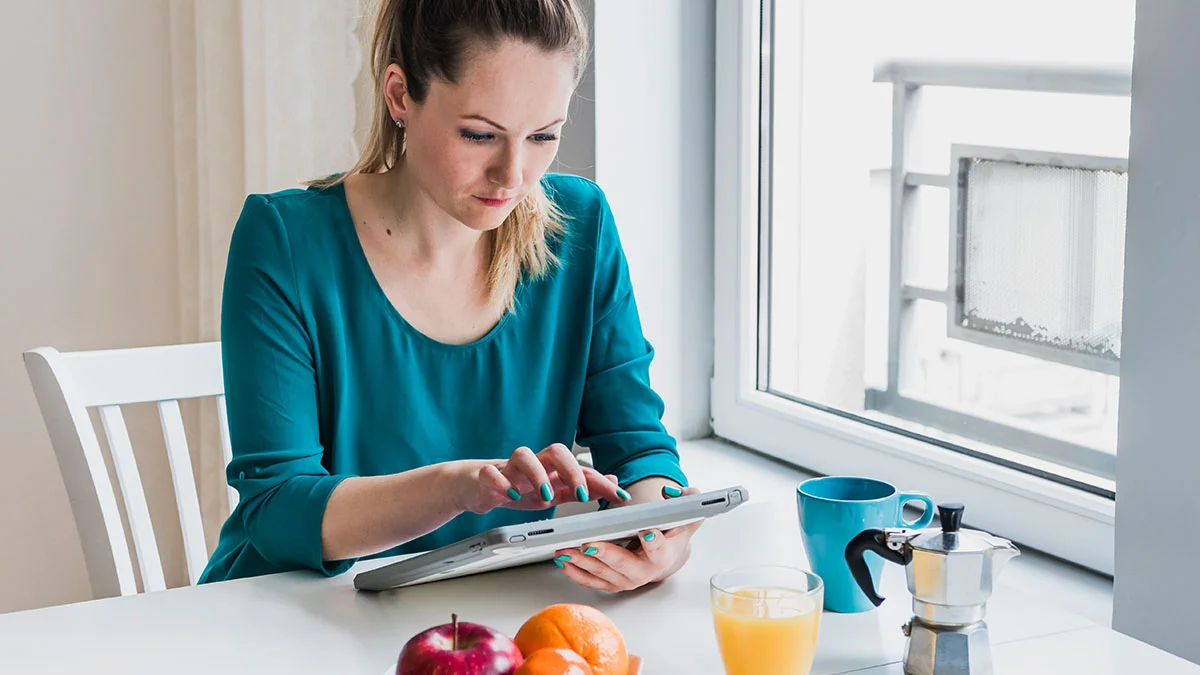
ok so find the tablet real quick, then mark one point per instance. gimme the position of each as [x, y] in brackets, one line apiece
[537, 541]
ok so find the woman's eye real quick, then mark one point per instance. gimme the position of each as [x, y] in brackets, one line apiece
[476, 138]
[544, 138]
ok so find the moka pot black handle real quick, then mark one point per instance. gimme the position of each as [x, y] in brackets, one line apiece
[876, 541]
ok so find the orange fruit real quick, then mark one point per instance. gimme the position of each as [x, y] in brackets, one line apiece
[555, 662]
[582, 629]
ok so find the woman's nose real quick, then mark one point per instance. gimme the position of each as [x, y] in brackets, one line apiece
[506, 172]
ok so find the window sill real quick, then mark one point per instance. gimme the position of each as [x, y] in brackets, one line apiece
[710, 463]
[1010, 503]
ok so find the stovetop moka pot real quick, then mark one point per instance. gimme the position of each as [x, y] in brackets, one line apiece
[951, 572]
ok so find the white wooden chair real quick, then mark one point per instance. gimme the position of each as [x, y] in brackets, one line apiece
[66, 386]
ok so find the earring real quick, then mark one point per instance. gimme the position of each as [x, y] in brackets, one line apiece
[403, 137]
[400, 124]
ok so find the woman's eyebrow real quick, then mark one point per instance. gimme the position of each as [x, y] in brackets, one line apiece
[481, 118]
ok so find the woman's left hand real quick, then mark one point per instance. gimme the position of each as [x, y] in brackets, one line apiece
[613, 568]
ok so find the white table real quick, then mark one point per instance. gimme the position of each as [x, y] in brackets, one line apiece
[300, 623]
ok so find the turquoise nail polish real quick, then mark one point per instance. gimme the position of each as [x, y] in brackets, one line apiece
[546, 493]
[563, 558]
[591, 550]
[624, 495]
[514, 495]
[649, 536]
[581, 493]
[671, 491]
[560, 565]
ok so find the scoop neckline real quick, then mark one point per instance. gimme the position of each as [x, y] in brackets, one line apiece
[360, 255]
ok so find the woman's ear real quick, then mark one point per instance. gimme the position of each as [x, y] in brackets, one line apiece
[395, 92]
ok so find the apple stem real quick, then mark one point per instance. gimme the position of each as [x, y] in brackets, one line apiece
[454, 623]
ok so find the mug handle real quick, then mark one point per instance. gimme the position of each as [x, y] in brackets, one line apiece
[925, 519]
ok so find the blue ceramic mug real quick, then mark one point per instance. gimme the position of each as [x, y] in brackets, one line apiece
[836, 508]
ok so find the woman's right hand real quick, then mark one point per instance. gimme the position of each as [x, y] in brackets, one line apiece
[533, 481]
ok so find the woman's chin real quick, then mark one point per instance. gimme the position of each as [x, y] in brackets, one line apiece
[483, 219]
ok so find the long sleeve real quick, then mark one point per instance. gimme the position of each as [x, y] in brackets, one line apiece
[621, 415]
[271, 395]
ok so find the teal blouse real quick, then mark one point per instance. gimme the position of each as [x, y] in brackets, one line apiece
[325, 380]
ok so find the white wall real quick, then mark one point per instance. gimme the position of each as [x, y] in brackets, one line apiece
[87, 247]
[1157, 548]
[654, 79]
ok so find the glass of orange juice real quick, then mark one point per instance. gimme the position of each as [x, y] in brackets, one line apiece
[766, 619]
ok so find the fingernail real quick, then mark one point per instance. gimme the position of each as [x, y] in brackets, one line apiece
[670, 491]
[514, 495]
[546, 493]
[563, 558]
[649, 536]
[591, 550]
[581, 493]
[623, 494]
[558, 564]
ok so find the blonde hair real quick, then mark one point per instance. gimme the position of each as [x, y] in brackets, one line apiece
[430, 39]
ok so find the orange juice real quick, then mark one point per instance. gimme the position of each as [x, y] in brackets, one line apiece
[764, 630]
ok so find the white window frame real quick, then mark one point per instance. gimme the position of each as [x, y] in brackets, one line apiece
[1051, 517]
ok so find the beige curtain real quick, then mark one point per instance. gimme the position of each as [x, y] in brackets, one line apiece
[264, 97]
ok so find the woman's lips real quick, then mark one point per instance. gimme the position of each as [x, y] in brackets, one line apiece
[493, 202]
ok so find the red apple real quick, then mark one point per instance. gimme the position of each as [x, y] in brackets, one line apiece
[459, 649]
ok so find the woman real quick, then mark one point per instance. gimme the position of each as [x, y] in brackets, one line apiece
[400, 339]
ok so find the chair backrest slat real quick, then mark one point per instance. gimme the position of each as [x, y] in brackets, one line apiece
[194, 549]
[66, 385]
[136, 509]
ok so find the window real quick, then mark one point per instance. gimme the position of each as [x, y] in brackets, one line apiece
[925, 212]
